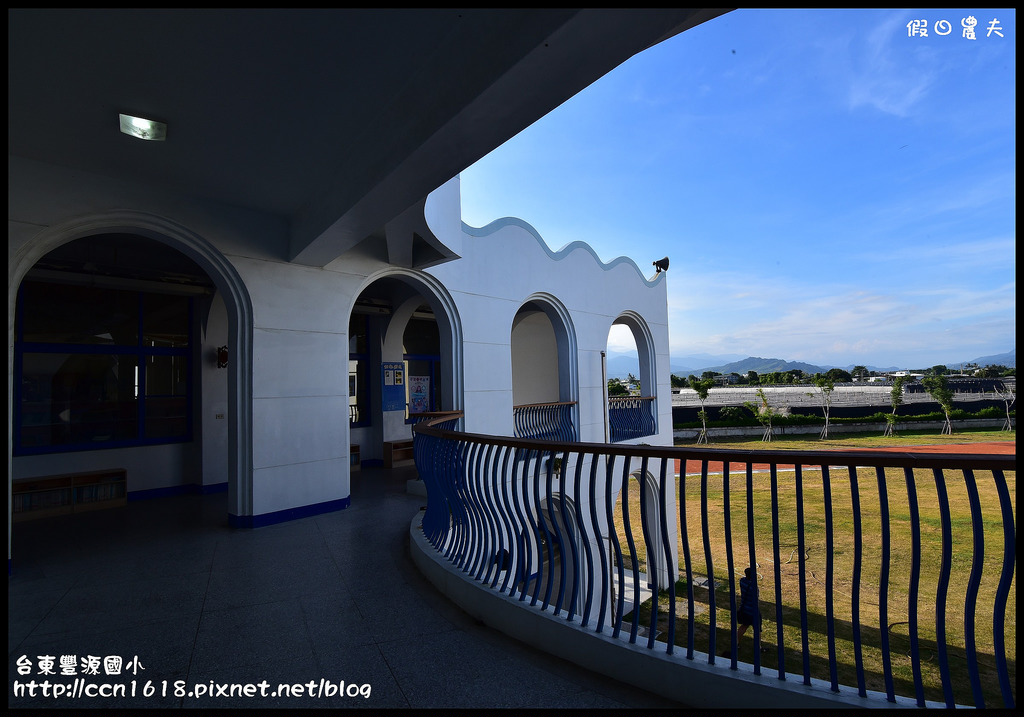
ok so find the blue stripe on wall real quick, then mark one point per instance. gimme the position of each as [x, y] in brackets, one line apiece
[282, 516]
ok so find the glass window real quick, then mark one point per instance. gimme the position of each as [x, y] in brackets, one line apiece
[166, 392]
[71, 398]
[358, 372]
[358, 392]
[100, 367]
[165, 320]
[358, 328]
[65, 314]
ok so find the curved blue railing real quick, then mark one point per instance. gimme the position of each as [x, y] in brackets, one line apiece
[630, 417]
[545, 421]
[853, 573]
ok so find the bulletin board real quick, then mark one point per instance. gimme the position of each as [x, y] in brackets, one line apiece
[393, 386]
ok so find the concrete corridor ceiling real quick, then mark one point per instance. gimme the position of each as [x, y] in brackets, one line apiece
[331, 121]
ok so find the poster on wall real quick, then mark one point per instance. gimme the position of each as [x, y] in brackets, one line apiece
[419, 394]
[393, 380]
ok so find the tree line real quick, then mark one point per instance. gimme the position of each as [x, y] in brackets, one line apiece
[936, 384]
[836, 375]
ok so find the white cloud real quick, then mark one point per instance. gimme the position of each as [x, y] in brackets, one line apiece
[878, 80]
[620, 339]
[895, 240]
[845, 325]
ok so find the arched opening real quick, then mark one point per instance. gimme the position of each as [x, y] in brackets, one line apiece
[544, 378]
[631, 388]
[638, 544]
[421, 355]
[116, 324]
[561, 573]
[404, 359]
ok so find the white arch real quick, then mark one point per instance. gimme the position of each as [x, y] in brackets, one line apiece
[665, 566]
[239, 309]
[568, 351]
[448, 322]
[644, 340]
[400, 317]
[646, 353]
[570, 534]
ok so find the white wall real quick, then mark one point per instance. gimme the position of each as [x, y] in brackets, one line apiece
[507, 263]
[299, 348]
[203, 462]
[300, 384]
[213, 396]
[534, 359]
[290, 441]
[148, 467]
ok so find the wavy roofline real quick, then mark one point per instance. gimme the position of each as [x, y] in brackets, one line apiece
[562, 253]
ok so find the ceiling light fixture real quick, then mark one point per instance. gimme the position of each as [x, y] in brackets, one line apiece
[143, 128]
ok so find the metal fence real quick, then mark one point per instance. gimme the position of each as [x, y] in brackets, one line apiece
[545, 421]
[630, 417]
[890, 573]
[810, 396]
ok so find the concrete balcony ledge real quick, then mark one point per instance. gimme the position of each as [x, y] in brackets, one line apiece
[690, 682]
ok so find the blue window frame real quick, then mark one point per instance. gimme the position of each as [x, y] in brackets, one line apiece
[359, 372]
[100, 367]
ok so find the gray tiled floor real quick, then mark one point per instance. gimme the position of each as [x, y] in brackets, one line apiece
[332, 597]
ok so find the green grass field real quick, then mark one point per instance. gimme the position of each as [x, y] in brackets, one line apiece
[812, 564]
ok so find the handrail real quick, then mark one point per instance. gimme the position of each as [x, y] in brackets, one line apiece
[442, 420]
[550, 524]
[542, 405]
[817, 458]
[433, 418]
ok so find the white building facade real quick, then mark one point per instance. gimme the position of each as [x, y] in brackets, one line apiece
[237, 306]
[508, 322]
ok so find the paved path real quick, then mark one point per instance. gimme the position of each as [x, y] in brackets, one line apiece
[333, 597]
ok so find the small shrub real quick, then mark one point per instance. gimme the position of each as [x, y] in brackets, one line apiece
[991, 412]
[797, 419]
[730, 414]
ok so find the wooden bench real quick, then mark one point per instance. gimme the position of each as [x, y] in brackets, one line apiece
[397, 452]
[68, 493]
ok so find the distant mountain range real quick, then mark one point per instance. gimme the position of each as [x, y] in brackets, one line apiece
[1008, 359]
[763, 365]
[621, 365]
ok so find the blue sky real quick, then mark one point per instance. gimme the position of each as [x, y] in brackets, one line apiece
[828, 188]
